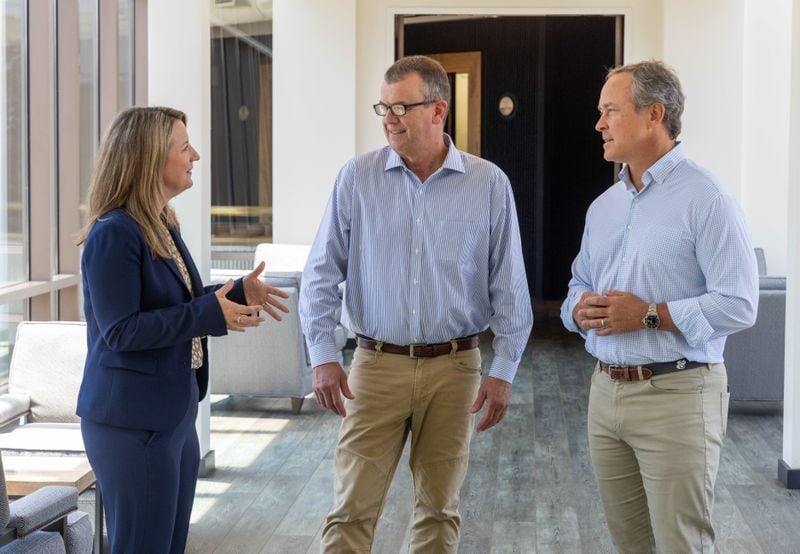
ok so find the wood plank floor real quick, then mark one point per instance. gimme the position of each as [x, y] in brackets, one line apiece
[530, 486]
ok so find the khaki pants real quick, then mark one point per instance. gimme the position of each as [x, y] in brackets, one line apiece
[655, 447]
[395, 395]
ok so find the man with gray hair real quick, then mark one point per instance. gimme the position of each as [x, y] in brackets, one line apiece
[427, 240]
[665, 272]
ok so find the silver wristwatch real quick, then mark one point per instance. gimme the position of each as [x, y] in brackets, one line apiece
[651, 319]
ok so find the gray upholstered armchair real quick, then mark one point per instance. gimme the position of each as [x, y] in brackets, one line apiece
[754, 357]
[43, 381]
[45, 521]
[269, 360]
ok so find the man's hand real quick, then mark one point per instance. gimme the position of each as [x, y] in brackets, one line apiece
[330, 382]
[496, 393]
[578, 312]
[613, 313]
[258, 292]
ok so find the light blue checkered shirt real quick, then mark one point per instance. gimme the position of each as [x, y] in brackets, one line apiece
[424, 262]
[682, 240]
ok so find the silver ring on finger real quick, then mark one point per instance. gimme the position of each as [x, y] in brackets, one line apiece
[239, 320]
[602, 323]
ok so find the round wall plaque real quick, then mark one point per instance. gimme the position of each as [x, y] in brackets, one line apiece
[507, 105]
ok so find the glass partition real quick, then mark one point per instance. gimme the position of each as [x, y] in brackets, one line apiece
[89, 100]
[125, 58]
[13, 141]
[241, 129]
[10, 316]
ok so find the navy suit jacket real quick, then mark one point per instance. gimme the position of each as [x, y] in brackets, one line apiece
[140, 322]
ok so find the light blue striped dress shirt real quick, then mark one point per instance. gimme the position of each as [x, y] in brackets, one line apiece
[424, 262]
[682, 240]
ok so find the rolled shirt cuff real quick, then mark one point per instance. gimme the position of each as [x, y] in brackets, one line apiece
[687, 317]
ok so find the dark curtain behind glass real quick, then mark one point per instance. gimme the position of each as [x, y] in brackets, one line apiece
[236, 68]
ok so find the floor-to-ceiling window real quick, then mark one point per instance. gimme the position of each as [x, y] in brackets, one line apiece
[89, 103]
[125, 18]
[50, 83]
[13, 178]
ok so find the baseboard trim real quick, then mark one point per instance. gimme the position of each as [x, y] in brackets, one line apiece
[788, 476]
[207, 464]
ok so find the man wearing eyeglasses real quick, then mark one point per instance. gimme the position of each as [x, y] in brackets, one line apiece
[427, 240]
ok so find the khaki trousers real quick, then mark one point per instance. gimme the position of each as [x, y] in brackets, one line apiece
[395, 395]
[655, 447]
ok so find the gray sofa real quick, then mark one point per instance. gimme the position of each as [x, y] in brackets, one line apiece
[754, 357]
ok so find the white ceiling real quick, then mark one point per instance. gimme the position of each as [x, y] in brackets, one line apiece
[238, 12]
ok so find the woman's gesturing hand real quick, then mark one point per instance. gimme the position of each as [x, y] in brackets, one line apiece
[257, 291]
[237, 316]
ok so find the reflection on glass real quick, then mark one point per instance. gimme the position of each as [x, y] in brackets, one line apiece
[125, 83]
[89, 96]
[13, 155]
[10, 316]
[241, 129]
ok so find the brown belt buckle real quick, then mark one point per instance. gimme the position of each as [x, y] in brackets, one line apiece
[626, 376]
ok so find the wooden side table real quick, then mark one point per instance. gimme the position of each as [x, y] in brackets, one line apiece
[27, 473]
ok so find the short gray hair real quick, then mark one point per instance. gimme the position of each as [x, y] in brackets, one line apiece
[435, 83]
[655, 82]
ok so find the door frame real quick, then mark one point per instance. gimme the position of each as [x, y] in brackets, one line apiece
[469, 63]
[395, 21]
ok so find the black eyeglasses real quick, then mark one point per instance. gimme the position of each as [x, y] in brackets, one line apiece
[398, 109]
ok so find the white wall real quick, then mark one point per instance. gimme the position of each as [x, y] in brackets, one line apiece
[314, 76]
[703, 42]
[765, 125]
[733, 59]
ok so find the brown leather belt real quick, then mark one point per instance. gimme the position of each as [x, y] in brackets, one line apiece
[418, 350]
[643, 372]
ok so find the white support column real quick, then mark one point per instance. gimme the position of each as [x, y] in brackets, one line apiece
[314, 109]
[789, 464]
[179, 69]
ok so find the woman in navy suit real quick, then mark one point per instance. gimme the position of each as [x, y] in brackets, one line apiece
[148, 316]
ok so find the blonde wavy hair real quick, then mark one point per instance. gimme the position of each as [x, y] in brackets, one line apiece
[127, 173]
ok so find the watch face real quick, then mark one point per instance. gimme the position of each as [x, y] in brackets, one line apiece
[652, 321]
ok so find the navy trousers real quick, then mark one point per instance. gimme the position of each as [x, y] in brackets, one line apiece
[147, 479]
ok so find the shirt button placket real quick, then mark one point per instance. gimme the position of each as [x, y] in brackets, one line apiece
[416, 259]
[626, 241]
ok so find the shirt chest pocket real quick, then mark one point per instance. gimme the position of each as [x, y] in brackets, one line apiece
[449, 240]
[665, 247]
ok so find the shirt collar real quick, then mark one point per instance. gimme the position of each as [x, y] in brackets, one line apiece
[452, 161]
[656, 172]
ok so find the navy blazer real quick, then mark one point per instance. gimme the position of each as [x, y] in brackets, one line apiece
[140, 322]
